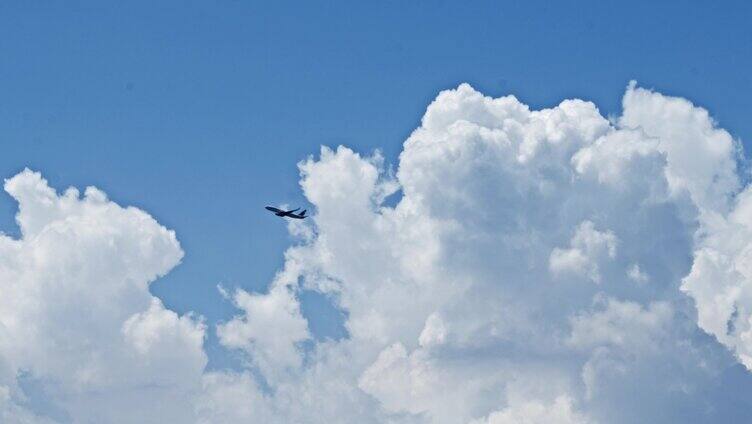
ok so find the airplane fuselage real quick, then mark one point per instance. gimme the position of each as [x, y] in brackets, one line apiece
[288, 214]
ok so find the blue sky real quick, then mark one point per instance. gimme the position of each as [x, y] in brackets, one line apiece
[198, 112]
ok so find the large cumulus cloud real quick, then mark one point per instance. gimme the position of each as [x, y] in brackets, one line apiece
[548, 266]
[76, 315]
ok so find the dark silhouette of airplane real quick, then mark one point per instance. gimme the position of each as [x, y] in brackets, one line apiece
[289, 214]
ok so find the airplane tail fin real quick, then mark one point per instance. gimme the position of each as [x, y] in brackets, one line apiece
[303, 213]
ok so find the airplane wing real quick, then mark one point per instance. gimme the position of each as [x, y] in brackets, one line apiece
[294, 210]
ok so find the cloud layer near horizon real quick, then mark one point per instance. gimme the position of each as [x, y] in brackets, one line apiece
[545, 266]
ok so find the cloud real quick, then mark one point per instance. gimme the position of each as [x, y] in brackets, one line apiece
[588, 246]
[461, 302]
[76, 314]
[701, 158]
[533, 412]
[268, 331]
[720, 281]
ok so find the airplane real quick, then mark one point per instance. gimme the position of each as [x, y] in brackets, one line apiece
[289, 214]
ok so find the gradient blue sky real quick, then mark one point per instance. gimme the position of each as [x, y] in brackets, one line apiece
[197, 112]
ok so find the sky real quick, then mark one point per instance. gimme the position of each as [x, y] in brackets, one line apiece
[200, 114]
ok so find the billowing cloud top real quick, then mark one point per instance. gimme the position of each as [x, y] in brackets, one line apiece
[543, 266]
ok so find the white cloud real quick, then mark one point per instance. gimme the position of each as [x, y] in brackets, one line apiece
[588, 246]
[268, 331]
[637, 275]
[434, 332]
[535, 412]
[625, 325]
[454, 303]
[76, 314]
[400, 381]
[701, 158]
[233, 398]
[721, 278]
